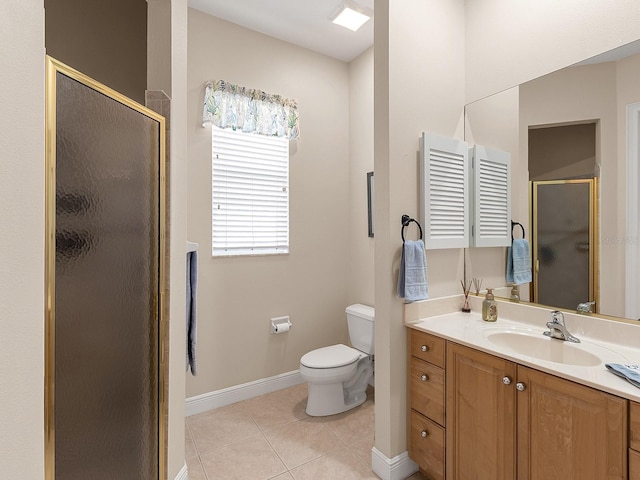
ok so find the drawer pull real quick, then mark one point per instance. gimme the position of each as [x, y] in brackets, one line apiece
[424, 348]
[424, 377]
[506, 380]
[520, 386]
[424, 434]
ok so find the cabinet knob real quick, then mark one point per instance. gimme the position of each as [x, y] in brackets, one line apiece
[424, 348]
[424, 377]
[506, 380]
[424, 434]
[520, 386]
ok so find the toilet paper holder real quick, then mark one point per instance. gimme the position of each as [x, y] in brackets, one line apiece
[280, 324]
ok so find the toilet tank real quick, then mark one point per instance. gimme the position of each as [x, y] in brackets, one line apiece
[360, 320]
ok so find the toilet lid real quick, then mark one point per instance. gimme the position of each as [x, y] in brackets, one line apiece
[330, 357]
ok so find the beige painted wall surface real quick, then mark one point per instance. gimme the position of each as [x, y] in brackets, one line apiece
[419, 86]
[627, 74]
[22, 240]
[509, 43]
[238, 296]
[177, 29]
[361, 246]
[493, 122]
[105, 40]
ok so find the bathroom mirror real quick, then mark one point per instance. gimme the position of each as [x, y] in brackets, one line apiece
[601, 98]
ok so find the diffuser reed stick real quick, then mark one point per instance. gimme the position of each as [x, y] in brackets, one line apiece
[477, 283]
[465, 289]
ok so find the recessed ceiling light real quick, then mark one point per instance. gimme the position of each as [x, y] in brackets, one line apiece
[351, 15]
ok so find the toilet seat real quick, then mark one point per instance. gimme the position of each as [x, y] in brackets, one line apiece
[330, 357]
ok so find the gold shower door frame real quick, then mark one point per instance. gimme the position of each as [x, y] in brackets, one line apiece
[52, 68]
[594, 289]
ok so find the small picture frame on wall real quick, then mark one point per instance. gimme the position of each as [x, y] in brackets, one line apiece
[370, 202]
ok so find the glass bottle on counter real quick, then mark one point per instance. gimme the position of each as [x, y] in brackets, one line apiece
[489, 307]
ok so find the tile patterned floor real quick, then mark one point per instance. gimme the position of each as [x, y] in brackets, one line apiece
[271, 437]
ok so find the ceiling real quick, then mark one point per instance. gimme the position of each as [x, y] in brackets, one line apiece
[301, 22]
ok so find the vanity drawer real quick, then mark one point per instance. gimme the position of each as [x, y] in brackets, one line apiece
[427, 347]
[426, 384]
[634, 425]
[634, 465]
[427, 446]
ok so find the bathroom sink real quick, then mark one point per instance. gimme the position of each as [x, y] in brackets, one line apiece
[553, 350]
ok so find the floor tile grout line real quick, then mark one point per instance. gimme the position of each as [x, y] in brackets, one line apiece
[226, 445]
[290, 396]
[310, 460]
[325, 454]
[286, 467]
[259, 431]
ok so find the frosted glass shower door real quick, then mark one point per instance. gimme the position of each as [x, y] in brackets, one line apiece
[105, 277]
[563, 242]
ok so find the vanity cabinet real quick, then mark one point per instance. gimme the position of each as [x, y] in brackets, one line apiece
[481, 421]
[569, 431]
[562, 430]
[426, 362]
[505, 421]
[634, 441]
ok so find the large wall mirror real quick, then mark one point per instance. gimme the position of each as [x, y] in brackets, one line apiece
[572, 133]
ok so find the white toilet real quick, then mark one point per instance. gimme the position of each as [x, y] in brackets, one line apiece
[338, 375]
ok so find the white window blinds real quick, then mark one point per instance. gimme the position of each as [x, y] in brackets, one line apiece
[250, 193]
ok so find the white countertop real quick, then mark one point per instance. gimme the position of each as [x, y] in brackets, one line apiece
[469, 329]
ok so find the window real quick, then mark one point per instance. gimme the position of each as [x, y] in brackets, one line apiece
[250, 193]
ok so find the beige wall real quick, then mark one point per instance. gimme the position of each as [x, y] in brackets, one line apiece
[105, 40]
[419, 86]
[238, 296]
[562, 152]
[509, 43]
[628, 72]
[22, 239]
[177, 30]
[493, 122]
[361, 246]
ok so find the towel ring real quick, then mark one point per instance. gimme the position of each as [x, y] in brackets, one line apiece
[406, 220]
[513, 225]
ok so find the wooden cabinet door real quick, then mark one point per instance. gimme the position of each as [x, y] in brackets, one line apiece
[567, 431]
[481, 430]
[634, 426]
[634, 465]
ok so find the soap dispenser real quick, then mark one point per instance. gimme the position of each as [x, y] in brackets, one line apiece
[489, 307]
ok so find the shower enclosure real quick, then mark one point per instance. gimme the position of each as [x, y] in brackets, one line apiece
[105, 370]
[564, 242]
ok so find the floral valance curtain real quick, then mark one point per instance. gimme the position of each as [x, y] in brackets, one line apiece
[231, 106]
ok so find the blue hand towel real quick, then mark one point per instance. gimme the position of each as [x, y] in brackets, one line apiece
[192, 290]
[518, 265]
[412, 278]
[628, 372]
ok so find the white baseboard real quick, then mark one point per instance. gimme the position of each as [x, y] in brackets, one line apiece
[238, 393]
[396, 468]
[183, 474]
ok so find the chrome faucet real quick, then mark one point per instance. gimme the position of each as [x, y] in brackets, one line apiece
[557, 328]
[586, 308]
